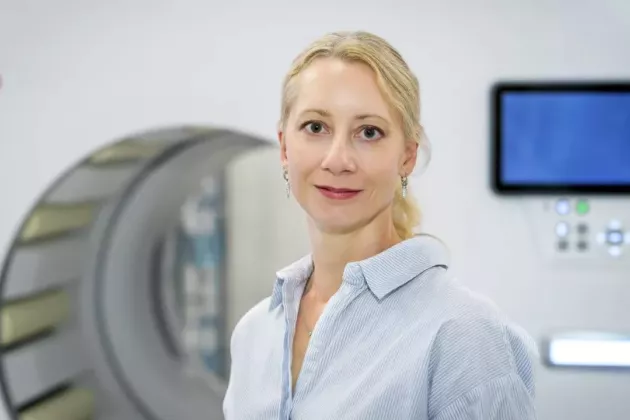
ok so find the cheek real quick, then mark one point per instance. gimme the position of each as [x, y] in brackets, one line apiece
[387, 185]
[301, 165]
[303, 157]
[384, 173]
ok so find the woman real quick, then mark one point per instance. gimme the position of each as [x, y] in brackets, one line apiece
[370, 325]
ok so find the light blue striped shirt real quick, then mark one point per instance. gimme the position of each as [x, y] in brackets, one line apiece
[401, 339]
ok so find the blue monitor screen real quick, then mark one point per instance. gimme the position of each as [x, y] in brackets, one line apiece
[564, 138]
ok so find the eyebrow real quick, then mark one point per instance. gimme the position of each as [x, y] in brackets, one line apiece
[325, 113]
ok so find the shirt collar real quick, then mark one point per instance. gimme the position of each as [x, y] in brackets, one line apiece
[298, 272]
[383, 273]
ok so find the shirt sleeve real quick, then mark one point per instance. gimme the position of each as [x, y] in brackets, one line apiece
[503, 398]
[482, 368]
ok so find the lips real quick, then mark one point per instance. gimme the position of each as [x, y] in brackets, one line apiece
[337, 193]
[337, 190]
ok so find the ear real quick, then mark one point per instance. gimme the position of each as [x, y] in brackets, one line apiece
[410, 157]
[283, 146]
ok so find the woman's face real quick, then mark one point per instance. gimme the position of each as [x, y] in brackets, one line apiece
[343, 146]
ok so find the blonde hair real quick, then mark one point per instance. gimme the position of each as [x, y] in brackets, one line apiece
[399, 85]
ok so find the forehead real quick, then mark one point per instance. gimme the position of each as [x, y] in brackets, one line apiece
[340, 87]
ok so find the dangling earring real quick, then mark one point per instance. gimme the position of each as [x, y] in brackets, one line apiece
[403, 181]
[285, 175]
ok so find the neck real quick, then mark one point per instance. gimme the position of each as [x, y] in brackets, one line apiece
[333, 251]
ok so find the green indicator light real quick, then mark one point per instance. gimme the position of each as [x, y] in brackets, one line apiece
[582, 207]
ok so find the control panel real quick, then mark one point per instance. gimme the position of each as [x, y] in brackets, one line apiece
[580, 228]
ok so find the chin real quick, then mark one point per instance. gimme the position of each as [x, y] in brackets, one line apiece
[338, 225]
[342, 220]
[337, 219]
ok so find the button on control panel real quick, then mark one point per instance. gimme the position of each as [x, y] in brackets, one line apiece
[562, 229]
[583, 229]
[614, 238]
[563, 207]
[572, 231]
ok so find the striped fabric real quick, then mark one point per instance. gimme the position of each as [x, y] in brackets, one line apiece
[401, 339]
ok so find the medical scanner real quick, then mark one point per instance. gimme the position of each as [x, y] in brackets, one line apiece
[90, 328]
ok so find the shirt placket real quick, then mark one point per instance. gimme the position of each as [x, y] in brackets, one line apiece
[315, 356]
[290, 301]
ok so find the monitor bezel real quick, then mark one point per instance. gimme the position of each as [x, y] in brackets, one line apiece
[498, 90]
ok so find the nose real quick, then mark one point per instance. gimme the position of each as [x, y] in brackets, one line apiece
[339, 157]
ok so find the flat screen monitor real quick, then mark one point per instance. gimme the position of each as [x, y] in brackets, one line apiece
[558, 138]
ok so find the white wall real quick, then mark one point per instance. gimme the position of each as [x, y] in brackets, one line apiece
[79, 74]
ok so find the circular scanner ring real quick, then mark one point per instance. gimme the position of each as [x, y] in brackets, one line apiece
[151, 175]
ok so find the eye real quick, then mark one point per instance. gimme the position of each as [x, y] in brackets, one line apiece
[314, 127]
[372, 133]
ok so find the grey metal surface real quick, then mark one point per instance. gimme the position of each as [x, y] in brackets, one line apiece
[136, 375]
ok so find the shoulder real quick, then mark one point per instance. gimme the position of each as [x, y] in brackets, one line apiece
[476, 345]
[470, 319]
[254, 320]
